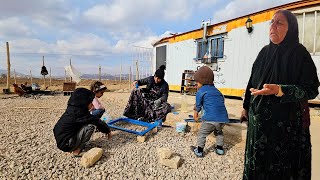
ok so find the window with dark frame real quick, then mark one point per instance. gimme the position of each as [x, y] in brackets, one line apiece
[202, 48]
[217, 46]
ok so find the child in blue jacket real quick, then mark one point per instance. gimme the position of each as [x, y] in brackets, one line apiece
[210, 100]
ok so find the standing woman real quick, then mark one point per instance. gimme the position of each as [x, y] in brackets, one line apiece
[283, 79]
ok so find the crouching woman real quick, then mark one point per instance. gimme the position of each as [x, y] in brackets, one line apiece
[76, 126]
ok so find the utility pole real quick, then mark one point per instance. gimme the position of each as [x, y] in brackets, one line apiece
[129, 77]
[50, 76]
[30, 76]
[71, 70]
[120, 73]
[8, 66]
[65, 75]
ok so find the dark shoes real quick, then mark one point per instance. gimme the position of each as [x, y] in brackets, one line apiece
[219, 150]
[196, 152]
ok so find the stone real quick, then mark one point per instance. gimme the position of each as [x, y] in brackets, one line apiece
[154, 130]
[164, 153]
[173, 163]
[211, 139]
[91, 157]
[194, 126]
[141, 138]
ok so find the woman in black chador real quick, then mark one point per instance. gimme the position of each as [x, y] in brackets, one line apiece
[283, 79]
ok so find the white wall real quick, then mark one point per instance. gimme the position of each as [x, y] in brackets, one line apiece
[179, 58]
[241, 50]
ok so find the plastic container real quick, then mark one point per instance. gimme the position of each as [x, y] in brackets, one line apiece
[181, 127]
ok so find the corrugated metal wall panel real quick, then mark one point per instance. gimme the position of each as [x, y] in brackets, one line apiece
[240, 50]
[179, 58]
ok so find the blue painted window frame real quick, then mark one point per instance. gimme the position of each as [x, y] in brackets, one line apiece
[217, 46]
[202, 48]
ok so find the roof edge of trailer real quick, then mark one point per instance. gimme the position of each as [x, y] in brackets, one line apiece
[166, 39]
[288, 6]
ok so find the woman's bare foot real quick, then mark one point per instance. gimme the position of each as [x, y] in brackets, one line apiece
[76, 152]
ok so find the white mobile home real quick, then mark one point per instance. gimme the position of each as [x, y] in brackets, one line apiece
[231, 47]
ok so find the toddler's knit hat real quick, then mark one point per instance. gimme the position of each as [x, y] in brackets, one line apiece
[204, 75]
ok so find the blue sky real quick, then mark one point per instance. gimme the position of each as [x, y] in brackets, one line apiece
[102, 32]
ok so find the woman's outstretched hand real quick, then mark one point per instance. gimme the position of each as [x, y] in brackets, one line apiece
[134, 84]
[268, 89]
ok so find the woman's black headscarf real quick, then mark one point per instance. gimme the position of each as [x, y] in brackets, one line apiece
[292, 35]
[281, 63]
[287, 63]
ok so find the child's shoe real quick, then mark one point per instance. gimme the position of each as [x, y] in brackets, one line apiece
[219, 150]
[196, 152]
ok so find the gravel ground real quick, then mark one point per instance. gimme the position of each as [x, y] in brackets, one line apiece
[28, 149]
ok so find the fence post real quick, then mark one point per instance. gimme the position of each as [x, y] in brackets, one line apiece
[99, 73]
[14, 76]
[8, 66]
[137, 70]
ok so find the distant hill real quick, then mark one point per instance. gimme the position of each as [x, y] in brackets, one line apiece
[103, 76]
[96, 76]
[83, 76]
[12, 73]
[3, 71]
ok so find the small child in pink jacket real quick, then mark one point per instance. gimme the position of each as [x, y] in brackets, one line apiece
[98, 88]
